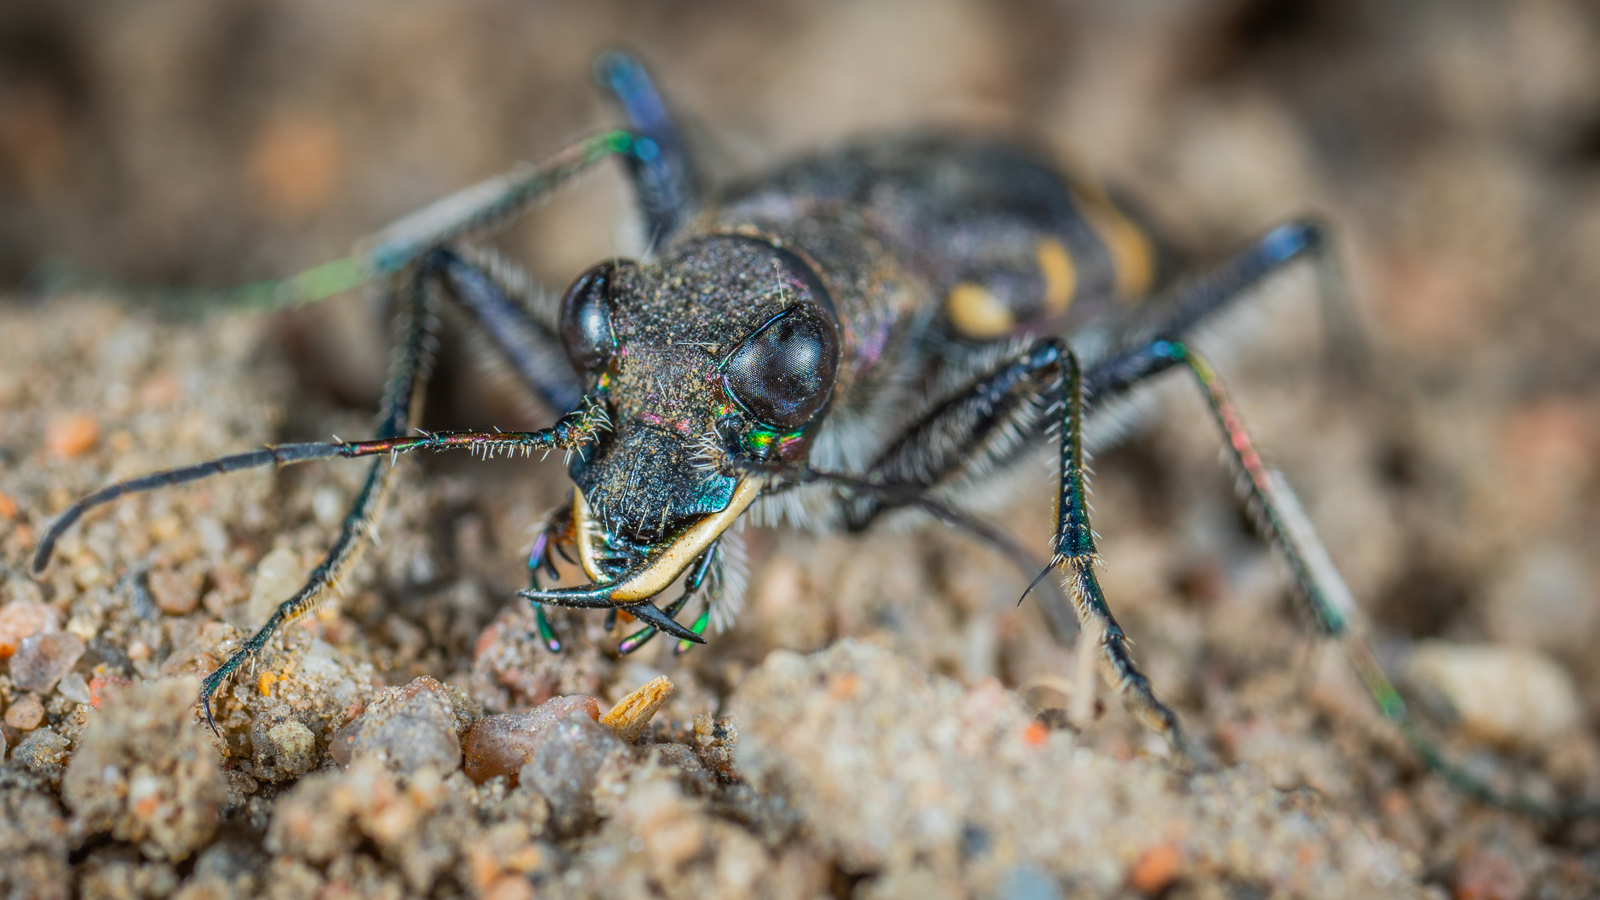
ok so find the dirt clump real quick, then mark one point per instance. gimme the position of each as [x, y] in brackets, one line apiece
[143, 774]
[921, 781]
[408, 728]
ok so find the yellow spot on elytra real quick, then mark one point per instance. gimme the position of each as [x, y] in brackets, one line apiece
[1060, 276]
[1133, 258]
[977, 313]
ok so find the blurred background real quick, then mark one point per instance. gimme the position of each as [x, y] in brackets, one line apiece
[1454, 145]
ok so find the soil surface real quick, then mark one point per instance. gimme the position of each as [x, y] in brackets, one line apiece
[883, 720]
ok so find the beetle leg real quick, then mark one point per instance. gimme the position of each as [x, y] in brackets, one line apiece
[972, 433]
[494, 293]
[1076, 554]
[540, 558]
[484, 207]
[1192, 304]
[1282, 522]
[664, 176]
[401, 405]
[477, 210]
[980, 426]
[699, 628]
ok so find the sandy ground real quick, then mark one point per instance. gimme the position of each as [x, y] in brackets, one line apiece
[872, 726]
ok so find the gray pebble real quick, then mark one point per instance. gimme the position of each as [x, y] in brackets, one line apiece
[293, 746]
[43, 752]
[564, 765]
[42, 659]
[407, 728]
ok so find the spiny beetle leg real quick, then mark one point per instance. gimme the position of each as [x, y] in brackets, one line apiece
[1076, 554]
[1179, 312]
[400, 405]
[1279, 517]
[1016, 397]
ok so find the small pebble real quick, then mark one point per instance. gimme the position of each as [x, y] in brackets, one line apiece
[70, 435]
[102, 685]
[22, 618]
[327, 505]
[406, 728]
[1156, 868]
[42, 659]
[83, 626]
[278, 576]
[26, 714]
[1501, 695]
[8, 507]
[500, 745]
[565, 765]
[1028, 883]
[1545, 600]
[44, 752]
[176, 594]
[632, 713]
[510, 887]
[74, 688]
[293, 745]
[1488, 874]
[714, 740]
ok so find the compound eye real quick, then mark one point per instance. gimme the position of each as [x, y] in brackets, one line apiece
[586, 318]
[782, 374]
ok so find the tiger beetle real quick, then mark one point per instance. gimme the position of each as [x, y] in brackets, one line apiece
[878, 327]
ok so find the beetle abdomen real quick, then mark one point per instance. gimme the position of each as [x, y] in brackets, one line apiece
[1003, 241]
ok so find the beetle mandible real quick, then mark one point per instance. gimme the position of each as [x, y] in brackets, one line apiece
[872, 328]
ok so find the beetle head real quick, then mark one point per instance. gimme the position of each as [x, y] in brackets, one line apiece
[716, 366]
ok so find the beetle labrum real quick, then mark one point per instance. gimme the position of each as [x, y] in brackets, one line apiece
[875, 327]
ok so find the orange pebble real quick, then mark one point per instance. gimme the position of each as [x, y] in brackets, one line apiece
[1036, 734]
[71, 435]
[265, 682]
[100, 685]
[26, 714]
[844, 687]
[1156, 868]
[509, 887]
[8, 507]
